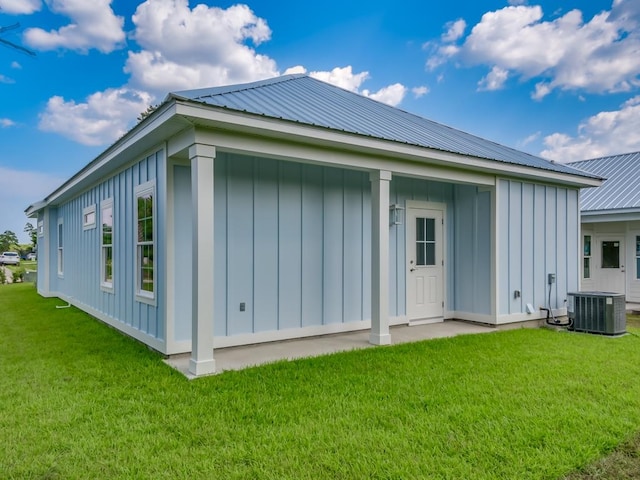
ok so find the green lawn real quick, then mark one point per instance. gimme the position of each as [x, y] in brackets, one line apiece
[79, 400]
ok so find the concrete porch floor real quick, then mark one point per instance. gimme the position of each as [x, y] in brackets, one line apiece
[237, 358]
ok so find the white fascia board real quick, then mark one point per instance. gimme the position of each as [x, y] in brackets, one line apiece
[255, 124]
[121, 147]
[283, 150]
[619, 215]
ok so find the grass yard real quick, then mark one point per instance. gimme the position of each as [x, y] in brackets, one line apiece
[79, 400]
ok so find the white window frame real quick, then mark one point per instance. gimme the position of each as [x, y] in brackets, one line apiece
[104, 283]
[60, 247]
[587, 257]
[89, 218]
[145, 296]
[41, 228]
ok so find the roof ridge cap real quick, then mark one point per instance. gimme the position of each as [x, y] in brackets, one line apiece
[198, 93]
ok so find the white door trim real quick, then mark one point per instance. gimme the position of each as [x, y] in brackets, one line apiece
[409, 243]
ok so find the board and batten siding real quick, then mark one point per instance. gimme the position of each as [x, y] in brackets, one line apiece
[293, 245]
[80, 282]
[538, 234]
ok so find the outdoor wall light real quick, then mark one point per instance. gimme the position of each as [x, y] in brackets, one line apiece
[396, 214]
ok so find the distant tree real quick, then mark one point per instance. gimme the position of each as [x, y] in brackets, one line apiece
[150, 109]
[7, 240]
[30, 230]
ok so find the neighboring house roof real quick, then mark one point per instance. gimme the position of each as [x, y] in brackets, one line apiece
[620, 192]
[302, 99]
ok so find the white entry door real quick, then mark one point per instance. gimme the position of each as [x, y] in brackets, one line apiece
[425, 262]
[611, 272]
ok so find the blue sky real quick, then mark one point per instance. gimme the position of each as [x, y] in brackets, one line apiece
[559, 79]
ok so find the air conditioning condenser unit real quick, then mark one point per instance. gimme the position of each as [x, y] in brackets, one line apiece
[597, 312]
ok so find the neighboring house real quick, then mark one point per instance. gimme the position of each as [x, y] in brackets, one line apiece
[290, 207]
[610, 218]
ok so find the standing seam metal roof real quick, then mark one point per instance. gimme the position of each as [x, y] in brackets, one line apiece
[302, 99]
[620, 190]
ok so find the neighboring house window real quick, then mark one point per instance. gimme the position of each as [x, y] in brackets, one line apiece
[145, 241]
[89, 217]
[60, 248]
[586, 270]
[638, 256]
[106, 215]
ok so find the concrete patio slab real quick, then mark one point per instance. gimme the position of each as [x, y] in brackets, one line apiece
[237, 358]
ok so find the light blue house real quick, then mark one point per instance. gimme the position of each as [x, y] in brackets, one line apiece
[290, 207]
[610, 217]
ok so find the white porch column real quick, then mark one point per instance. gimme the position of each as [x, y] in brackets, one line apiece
[202, 160]
[380, 258]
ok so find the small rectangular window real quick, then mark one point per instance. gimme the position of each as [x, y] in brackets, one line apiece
[89, 217]
[586, 262]
[106, 215]
[60, 248]
[41, 228]
[145, 242]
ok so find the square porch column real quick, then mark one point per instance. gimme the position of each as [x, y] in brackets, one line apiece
[202, 161]
[380, 257]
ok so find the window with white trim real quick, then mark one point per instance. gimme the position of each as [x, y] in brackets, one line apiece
[106, 244]
[145, 242]
[89, 217]
[40, 228]
[586, 257]
[60, 248]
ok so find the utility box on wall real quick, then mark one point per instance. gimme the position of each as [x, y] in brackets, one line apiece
[597, 312]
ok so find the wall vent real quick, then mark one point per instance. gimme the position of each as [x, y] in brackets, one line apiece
[597, 312]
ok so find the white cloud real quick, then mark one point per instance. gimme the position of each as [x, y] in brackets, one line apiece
[18, 189]
[606, 133]
[295, 70]
[542, 90]
[5, 79]
[16, 65]
[494, 80]
[454, 30]
[530, 139]
[599, 55]
[6, 122]
[20, 7]
[420, 91]
[184, 48]
[103, 118]
[391, 94]
[94, 25]
[342, 77]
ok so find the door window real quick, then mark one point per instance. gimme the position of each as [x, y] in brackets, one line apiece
[425, 242]
[610, 254]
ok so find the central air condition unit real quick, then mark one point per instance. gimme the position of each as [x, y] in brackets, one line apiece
[597, 312]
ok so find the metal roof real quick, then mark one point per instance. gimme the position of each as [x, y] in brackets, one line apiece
[302, 99]
[620, 190]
